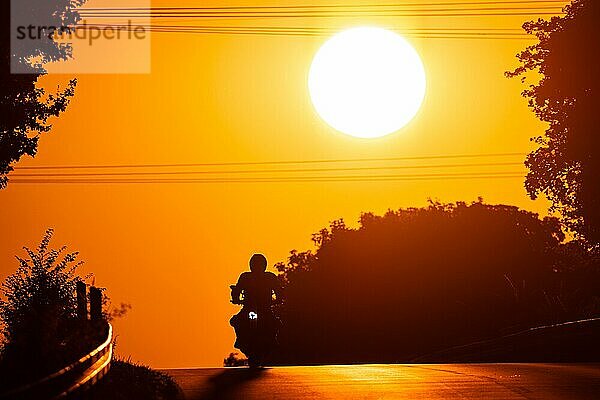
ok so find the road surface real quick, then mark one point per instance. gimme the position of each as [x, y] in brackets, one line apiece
[415, 381]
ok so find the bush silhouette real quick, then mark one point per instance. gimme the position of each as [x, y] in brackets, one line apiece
[38, 313]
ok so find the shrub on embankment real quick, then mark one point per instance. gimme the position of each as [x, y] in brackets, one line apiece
[40, 328]
[42, 332]
[129, 381]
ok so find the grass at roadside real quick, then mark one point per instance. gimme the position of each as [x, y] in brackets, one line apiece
[131, 381]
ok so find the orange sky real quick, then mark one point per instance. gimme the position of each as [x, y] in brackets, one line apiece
[171, 250]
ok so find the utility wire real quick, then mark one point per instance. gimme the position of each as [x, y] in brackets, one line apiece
[507, 13]
[312, 28]
[438, 7]
[321, 6]
[354, 178]
[465, 8]
[261, 171]
[277, 162]
[441, 9]
[309, 33]
[231, 181]
[297, 28]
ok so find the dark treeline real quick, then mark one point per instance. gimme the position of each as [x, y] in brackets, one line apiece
[418, 280]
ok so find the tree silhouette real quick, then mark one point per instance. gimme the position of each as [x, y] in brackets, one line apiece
[566, 165]
[421, 279]
[26, 108]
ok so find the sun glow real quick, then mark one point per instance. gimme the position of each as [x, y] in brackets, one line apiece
[367, 82]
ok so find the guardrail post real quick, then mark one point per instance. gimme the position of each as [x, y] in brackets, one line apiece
[82, 311]
[95, 303]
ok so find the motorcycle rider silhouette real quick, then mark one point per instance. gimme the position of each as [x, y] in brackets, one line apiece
[255, 325]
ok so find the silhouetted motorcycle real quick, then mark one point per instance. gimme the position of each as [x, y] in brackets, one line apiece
[256, 330]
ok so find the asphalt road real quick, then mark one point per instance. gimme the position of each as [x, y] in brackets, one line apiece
[415, 381]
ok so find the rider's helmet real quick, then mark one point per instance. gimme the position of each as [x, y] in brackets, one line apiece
[258, 263]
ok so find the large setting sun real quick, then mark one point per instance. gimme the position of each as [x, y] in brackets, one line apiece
[367, 82]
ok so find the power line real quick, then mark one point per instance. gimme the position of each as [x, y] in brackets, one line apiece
[302, 32]
[313, 179]
[276, 162]
[261, 171]
[440, 9]
[297, 28]
[133, 178]
[312, 28]
[506, 13]
[356, 8]
[464, 8]
[321, 6]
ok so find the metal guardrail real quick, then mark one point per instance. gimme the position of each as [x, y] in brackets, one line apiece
[74, 377]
